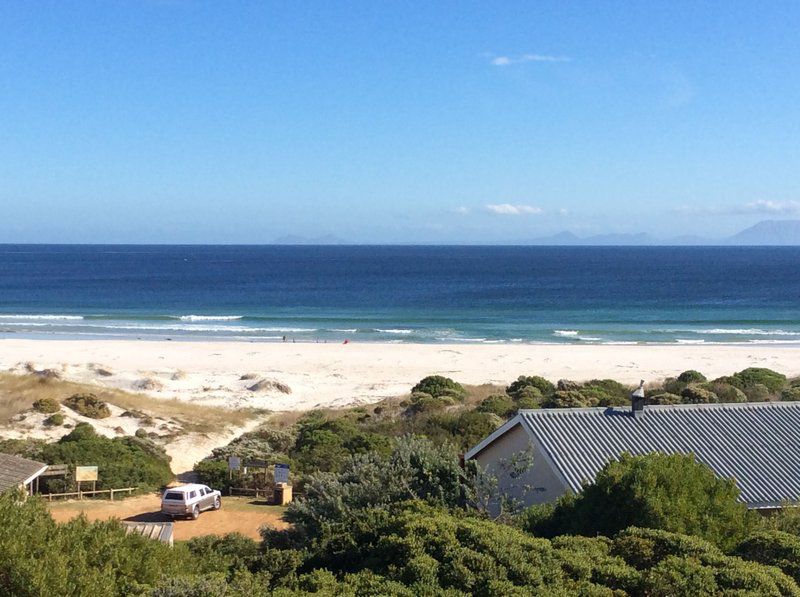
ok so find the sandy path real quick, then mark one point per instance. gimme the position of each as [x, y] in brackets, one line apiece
[339, 375]
[237, 515]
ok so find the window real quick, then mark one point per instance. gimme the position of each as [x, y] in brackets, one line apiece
[173, 495]
[192, 495]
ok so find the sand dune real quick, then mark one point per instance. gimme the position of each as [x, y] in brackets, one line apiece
[222, 373]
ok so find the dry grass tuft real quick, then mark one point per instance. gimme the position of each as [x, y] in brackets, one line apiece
[19, 392]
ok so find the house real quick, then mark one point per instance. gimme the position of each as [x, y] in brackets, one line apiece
[757, 444]
[18, 472]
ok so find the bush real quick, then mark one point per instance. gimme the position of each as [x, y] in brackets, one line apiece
[531, 396]
[121, 462]
[438, 386]
[670, 492]
[692, 376]
[567, 399]
[416, 468]
[88, 405]
[773, 548]
[324, 444]
[213, 473]
[54, 420]
[791, 394]
[46, 406]
[425, 403]
[725, 391]
[772, 380]
[529, 381]
[698, 395]
[78, 557]
[605, 392]
[665, 398]
[498, 404]
[758, 393]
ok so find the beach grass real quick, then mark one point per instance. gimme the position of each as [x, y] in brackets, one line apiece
[19, 392]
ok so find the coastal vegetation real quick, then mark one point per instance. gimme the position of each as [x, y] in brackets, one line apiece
[122, 461]
[388, 508]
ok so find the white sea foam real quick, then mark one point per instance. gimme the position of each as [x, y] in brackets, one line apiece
[566, 333]
[345, 331]
[463, 340]
[209, 317]
[589, 338]
[732, 332]
[394, 331]
[689, 341]
[38, 317]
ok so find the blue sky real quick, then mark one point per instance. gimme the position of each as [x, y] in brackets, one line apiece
[171, 121]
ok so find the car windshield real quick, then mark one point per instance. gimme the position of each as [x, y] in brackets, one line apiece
[173, 495]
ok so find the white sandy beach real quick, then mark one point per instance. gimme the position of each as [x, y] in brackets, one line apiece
[333, 375]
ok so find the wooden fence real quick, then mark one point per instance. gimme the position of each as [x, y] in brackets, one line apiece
[257, 493]
[93, 493]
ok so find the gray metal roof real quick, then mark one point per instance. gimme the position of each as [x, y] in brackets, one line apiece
[15, 470]
[160, 531]
[756, 444]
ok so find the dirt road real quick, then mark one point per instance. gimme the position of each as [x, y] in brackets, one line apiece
[237, 515]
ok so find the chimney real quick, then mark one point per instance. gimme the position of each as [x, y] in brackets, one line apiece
[637, 400]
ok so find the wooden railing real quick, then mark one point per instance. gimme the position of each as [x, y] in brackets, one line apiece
[267, 493]
[93, 493]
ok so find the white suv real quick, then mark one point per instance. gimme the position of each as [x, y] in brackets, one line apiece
[190, 500]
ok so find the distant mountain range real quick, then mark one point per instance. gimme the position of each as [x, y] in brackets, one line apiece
[768, 232]
[294, 239]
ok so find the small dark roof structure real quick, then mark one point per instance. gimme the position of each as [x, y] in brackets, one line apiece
[757, 444]
[16, 471]
[159, 531]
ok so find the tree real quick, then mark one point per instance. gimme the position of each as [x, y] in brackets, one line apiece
[671, 492]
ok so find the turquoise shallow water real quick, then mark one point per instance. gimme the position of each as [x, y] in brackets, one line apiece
[403, 294]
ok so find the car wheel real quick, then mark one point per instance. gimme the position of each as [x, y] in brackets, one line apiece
[217, 503]
[195, 513]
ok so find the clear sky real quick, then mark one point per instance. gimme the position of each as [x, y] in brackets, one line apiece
[172, 121]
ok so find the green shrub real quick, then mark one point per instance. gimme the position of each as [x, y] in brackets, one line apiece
[78, 557]
[725, 391]
[698, 395]
[692, 376]
[665, 398]
[567, 399]
[772, 380]
[54, 420]
[605, 392]
[425, 403]
[122, 462]
[758, 393]
[88, 405]
[46, 406]
[213, 473]
[791, 394]
[773, 548]
[673, 386]
[499, 404]
[529, 381]
[670, 492]
[438, 386]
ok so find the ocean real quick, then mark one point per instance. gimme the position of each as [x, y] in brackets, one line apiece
[580, 295]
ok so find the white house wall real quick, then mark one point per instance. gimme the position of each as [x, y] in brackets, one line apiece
[542, 483]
